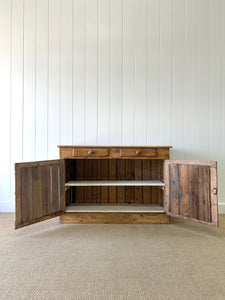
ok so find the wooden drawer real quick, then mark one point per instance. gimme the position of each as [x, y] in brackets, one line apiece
[89, 152]
[138, 152]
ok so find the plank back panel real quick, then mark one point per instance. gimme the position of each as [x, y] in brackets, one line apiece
[121, 175]
[190, 190]
[118, 169]
[39, 191]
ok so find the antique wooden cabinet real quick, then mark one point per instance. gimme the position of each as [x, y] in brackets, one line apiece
[115, 184]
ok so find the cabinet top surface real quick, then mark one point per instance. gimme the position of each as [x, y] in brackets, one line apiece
[93, 146]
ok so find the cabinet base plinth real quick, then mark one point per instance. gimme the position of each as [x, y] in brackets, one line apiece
[114, 218]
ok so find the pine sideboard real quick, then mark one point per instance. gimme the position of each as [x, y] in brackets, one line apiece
[115, 184]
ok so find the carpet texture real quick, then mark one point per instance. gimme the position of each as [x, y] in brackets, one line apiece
[182, 260]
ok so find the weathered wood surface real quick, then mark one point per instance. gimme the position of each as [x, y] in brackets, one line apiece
[115, 218]
[110, 152]
[117, 169]
[39, 191]
[189, 191]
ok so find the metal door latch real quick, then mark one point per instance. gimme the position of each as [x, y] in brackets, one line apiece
[214, 191]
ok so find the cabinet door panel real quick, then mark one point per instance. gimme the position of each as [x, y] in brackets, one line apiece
[39, 191]
[191, 191]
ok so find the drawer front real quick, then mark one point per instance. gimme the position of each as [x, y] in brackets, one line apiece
[87, 152]
[138, 152]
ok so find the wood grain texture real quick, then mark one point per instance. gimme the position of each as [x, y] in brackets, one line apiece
[39, 191]
[191, 191]
[114, 218]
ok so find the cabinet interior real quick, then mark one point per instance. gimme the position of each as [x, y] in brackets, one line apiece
[125, 171]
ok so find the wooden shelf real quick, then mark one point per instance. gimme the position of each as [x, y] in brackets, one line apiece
[114, 208]
[116, 183]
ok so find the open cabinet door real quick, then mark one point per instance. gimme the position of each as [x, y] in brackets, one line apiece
[191, 190]
[39, 191]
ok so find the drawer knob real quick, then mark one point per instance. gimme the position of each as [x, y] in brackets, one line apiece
[138, 152]
[90, 152]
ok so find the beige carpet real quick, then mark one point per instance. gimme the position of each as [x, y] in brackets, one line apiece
[52, 261]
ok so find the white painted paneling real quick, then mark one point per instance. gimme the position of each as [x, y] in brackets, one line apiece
[103, 71]
[140, 84]
[116, 72]
[91, 119]
[165, 69]
[79, 74]
[54, 79]
[128, 124]
[111, 72]
[16, 90]
[41, 109]
[190, 94]
[5, 100]
[178, 110]
[153, 72]
[66, 72]
[29, 80]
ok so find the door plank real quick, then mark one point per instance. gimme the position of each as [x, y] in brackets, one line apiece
[214, 200]
[26, 192]
[189, 191]
[18, 185]
[174, 189]
[39, 191]
[183, 191]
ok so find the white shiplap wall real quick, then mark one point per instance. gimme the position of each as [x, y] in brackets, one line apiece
[111, 72]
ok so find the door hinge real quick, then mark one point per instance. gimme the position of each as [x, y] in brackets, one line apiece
[214, 191]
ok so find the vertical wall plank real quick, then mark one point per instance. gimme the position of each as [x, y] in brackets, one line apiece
[103, 71]
[5, 98]
[16, 89]
[116, 72]
[190, 97]
[91, 72]
[66, 72]
[178, 66]
[79, 75]
[166, 17]
[140, 131]
[54, 82]
[203, 77]
[153, 72]
[29, 84]
[128, 73]
[41, 75]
